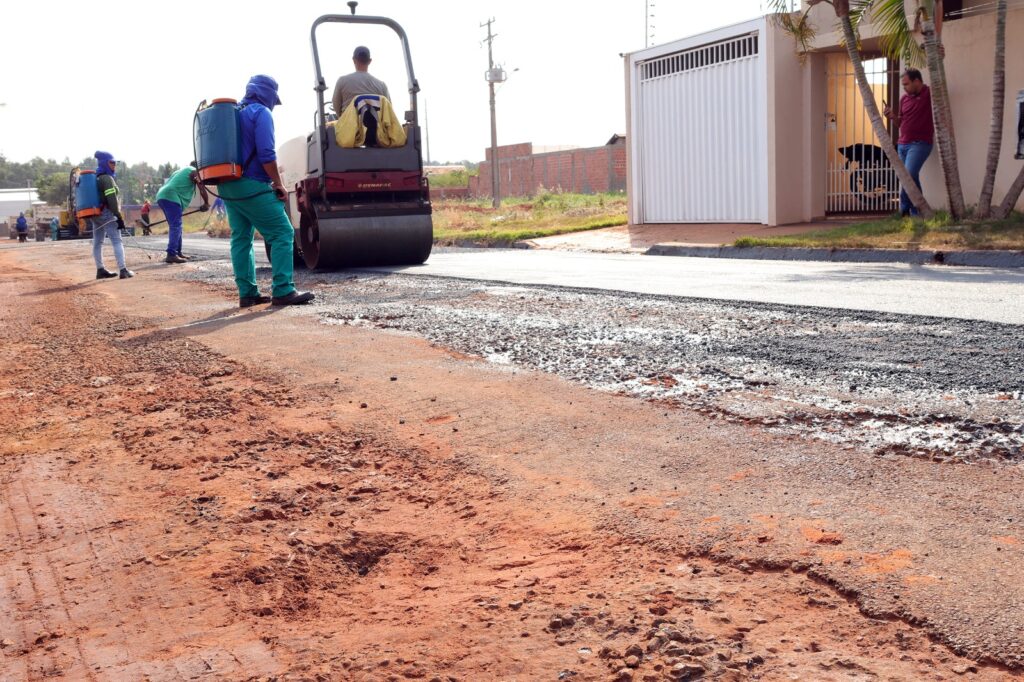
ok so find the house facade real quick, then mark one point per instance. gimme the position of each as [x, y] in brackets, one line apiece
[734, 126]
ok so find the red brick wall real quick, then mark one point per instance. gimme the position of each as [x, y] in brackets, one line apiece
[449, 193]
[583, 171]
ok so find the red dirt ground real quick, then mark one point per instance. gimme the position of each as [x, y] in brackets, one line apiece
[169, 513]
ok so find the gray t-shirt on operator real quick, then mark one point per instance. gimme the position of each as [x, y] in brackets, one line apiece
[354, 84]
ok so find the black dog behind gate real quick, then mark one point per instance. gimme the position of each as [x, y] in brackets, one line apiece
[871, 180]
[865, 155]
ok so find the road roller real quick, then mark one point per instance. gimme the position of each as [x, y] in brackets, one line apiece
[363, 206]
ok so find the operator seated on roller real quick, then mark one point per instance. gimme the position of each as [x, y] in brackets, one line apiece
[257, 201]
[359, 82]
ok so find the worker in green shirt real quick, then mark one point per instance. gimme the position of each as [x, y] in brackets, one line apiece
[173, 198]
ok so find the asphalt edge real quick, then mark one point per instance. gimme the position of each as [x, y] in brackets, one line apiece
[977, 259]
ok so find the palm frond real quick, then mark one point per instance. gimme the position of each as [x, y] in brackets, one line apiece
[897, 40]
[796, 24]
[859, 9]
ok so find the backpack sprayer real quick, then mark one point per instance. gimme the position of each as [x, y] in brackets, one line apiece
[88, 203]
[217, 144]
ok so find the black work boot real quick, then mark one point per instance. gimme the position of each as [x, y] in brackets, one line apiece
[250, 301]
[103, 273]
[294, 298]
[126, 273]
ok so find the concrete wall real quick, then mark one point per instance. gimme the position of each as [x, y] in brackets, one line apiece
[632, 205]
[969, 59]
[789, 131]
[585, 171]
[815, 78]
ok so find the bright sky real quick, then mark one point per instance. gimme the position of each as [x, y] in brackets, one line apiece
[126, 75]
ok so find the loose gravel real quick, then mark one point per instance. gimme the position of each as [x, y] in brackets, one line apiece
[942, 389]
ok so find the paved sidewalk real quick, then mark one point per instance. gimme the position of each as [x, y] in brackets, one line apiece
[639, 238]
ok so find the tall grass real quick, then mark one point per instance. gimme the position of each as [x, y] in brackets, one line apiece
[546, 214]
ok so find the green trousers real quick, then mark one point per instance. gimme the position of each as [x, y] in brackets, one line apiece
[265, 213]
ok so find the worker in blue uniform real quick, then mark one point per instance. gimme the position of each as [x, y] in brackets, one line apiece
[257, 201]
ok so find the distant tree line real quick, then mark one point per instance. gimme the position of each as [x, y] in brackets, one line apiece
[137, 182]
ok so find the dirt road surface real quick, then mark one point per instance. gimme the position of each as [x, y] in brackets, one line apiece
[189, 491]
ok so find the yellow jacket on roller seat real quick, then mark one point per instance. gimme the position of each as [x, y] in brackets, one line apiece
[351, 129]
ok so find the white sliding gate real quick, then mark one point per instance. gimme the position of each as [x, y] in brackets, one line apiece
[699, 119]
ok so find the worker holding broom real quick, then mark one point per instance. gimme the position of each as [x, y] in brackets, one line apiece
[257, 201]
[173, 198]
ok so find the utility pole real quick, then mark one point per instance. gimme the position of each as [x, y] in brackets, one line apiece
[493, 75]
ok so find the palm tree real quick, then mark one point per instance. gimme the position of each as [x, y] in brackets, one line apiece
[995, 139]
[945, 133]
[1011, 198]
[891, 19]
[803, 32]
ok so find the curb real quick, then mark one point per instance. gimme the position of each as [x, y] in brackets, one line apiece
[976, 259]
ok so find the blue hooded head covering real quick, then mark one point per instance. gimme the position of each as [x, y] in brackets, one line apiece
[103, 160]
[262, 89]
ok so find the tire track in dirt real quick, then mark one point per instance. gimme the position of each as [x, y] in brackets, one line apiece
[81, 582]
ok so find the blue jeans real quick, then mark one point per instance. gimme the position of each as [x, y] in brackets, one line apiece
[913, 155]
[106, 224]
[172, 211]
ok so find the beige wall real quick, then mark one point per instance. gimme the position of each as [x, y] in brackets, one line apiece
[788, 139]
[969, 58]
[815, 84]
[630, 141]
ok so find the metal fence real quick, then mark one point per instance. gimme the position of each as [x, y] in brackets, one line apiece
[859, 177]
